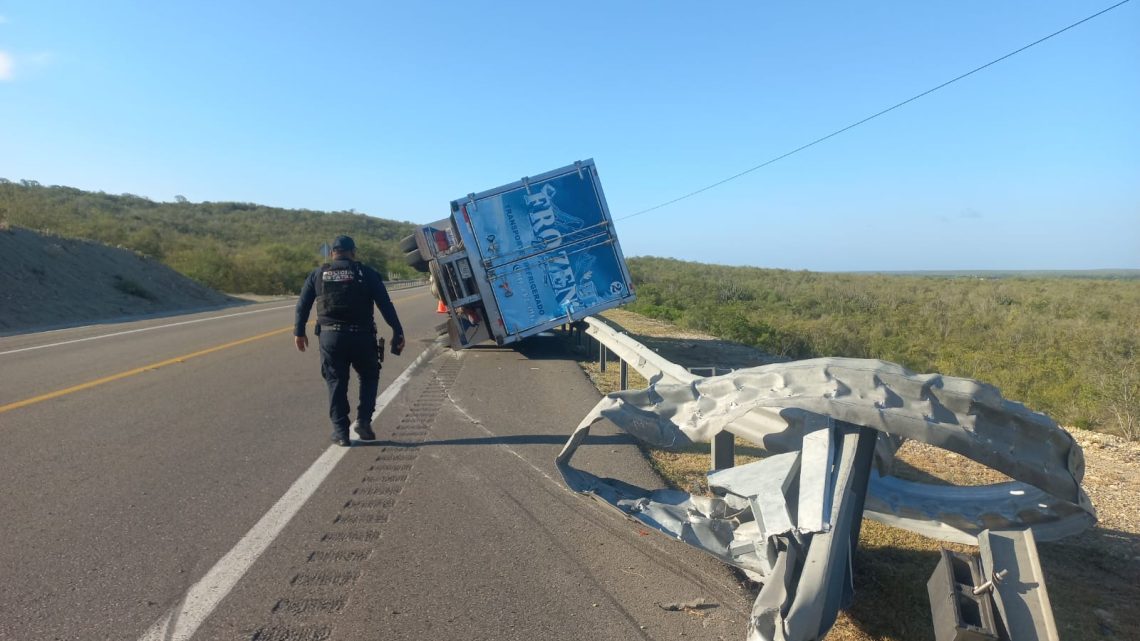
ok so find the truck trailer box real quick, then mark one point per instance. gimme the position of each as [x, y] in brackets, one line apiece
[522, 258]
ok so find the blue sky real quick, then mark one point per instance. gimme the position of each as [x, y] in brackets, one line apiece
[394, 109]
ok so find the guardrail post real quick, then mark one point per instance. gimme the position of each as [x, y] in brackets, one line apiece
[601, 357]
[723, 450]
[623, 374]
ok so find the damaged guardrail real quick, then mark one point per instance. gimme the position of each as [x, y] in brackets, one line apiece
[832, 426]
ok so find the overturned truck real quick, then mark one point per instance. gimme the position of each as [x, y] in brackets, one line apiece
[517, 260]
[831, 427]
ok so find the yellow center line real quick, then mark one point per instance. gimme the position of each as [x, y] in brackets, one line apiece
[137, 370]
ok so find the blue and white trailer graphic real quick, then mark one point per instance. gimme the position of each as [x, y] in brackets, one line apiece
[526, 257]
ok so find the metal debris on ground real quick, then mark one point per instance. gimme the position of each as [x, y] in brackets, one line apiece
[831, 427]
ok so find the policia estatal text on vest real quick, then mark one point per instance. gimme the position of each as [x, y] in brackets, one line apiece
[345, 292]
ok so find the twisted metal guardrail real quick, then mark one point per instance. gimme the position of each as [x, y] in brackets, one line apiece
[1045, 461]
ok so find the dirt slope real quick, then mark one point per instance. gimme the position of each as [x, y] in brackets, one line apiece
[47, 281]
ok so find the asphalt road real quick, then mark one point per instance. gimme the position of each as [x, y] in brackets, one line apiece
[146, 466]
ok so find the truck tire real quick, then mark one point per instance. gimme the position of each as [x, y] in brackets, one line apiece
[408, 243]
[415, 261]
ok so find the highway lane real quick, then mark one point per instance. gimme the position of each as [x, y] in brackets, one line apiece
[34, 364]
[456, 525]
[79, 354]
[120, 496]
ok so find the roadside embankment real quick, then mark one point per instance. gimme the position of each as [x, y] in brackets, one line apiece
[48, 282]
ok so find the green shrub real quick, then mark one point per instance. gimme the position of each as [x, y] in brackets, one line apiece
[233, 247]
[1060, 345]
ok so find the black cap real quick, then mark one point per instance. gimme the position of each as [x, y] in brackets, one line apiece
[343, 244]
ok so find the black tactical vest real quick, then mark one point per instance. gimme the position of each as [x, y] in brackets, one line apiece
[342, 295]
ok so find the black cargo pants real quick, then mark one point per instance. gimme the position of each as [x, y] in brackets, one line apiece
[339, 350]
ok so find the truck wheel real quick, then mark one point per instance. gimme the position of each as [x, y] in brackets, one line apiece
[416, 261]
[408, 243]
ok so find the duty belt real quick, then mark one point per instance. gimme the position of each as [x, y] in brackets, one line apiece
[349, 328]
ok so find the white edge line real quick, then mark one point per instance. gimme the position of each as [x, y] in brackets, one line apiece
[184, 619]
[145, 329]
[390, 392]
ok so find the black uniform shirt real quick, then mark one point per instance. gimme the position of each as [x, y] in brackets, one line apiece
[375, 288]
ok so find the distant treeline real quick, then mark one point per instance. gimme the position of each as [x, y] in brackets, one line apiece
[231, 247]
[1021, 273]
[1066, 347]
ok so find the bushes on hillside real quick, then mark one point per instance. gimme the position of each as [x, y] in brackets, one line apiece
[232, 247]
[1063, 346]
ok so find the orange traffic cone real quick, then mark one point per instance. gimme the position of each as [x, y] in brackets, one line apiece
[441, 309]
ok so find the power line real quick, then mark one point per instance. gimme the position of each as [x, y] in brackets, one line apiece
[872, 117]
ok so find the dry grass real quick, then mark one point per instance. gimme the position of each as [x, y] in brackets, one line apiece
[1093, 579]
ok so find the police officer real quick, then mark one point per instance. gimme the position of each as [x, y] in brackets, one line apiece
[345, 292]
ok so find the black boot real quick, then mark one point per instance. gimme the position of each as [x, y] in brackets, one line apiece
[364, 431]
